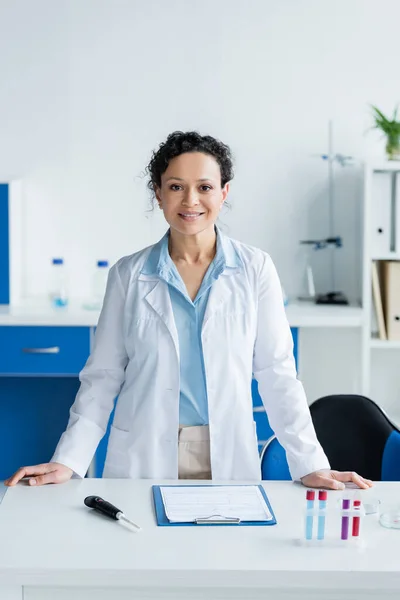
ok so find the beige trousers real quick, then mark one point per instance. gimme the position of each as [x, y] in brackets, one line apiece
[194, 453]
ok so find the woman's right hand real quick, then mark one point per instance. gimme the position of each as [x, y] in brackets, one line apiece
[52, 472]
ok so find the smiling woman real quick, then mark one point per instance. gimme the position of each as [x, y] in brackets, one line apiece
[189, 177]
[187, 196]
[185, 325]
[179, 143]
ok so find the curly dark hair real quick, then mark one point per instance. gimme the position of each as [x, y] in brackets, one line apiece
[180, 142]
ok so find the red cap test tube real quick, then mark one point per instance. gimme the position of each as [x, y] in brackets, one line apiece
[356, 520]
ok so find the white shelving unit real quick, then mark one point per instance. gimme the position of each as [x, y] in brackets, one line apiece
[387, 171]
[384, 344]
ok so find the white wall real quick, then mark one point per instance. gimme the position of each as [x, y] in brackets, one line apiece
[89, 87]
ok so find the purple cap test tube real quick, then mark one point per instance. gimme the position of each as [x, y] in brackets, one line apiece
[345, 520]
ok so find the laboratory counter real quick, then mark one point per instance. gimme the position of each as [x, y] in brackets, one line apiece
[300, 314]
[54, 547]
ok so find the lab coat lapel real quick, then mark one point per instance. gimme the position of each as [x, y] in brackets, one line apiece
[159, 300]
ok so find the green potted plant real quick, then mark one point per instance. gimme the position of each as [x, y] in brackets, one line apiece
[391, 129]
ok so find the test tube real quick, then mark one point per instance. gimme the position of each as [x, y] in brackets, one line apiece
[345, 520]
[356, 520]
[310, 497]
[322, 498]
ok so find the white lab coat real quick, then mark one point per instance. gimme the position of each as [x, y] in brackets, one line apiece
[136, 357]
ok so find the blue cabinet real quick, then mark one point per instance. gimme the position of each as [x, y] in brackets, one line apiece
[34, 413]
[43, 350]
[39, 369]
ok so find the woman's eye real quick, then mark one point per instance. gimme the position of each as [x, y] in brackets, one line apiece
[175, 187]
[205, 188]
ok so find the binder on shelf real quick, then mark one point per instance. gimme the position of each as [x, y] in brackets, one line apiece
[391, 279]
[396, 215]
[193, 509]
[381, 214]
[377, 296]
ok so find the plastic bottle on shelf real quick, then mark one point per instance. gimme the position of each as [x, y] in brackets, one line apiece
[59, 284]
[99, 282]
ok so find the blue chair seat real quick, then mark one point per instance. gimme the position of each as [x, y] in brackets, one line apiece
[274, 465]
[391, 458]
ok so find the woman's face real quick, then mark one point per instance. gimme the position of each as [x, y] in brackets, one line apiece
[190, 195]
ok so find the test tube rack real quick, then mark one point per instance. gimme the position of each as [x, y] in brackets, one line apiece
[348, 516]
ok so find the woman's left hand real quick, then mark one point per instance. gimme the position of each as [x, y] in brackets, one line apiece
[334, 480]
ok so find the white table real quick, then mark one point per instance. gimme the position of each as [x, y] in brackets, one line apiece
[54, 548]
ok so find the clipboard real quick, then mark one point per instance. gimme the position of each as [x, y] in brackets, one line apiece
[163, 521]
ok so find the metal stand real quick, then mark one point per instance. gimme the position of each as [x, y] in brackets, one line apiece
[332, 242]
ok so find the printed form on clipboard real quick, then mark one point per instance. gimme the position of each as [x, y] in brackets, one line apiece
[216, 504]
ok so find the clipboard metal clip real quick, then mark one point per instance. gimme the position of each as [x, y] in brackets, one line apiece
[217, 520]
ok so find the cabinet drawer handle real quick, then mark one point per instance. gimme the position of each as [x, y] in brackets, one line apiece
[259, 409]
[52, 350]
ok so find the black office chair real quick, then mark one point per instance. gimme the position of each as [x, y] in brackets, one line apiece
[356, 435]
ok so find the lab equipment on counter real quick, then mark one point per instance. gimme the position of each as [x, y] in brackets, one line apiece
[310, 497]
[109, 510]
[98, 286]
[390, 519]
[59, 284]
[389, 514]
[322, 498]
[331, 241]
[352, 513]
[372, 506]
[356, 519]
[344, 521]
